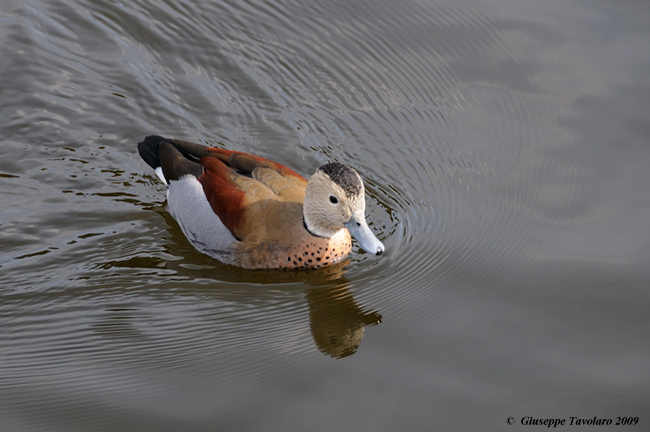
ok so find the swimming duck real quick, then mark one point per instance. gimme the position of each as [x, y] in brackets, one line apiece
[250, 212]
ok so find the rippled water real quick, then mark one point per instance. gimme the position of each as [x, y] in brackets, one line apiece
[505, 147]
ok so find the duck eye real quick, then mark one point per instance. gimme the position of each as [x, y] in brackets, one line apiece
[333, 199]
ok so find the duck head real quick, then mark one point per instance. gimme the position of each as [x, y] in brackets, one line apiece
[335, 199]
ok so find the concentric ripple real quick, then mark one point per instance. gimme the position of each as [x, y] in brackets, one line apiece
[438, 106]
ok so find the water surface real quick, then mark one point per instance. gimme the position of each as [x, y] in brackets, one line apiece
[505, 148]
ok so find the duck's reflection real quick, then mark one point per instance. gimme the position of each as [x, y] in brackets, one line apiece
[336, 320]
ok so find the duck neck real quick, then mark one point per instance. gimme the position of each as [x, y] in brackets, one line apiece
[317, 229]
[304, 223]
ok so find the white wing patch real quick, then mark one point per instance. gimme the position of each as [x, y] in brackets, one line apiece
[200, 224]
[160, 175]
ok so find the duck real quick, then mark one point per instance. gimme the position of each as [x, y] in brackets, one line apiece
[250, 212]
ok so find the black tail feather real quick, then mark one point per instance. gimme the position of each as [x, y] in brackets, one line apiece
[149, 150]
[171, 156]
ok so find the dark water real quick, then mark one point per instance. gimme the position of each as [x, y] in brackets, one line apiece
[505, 147]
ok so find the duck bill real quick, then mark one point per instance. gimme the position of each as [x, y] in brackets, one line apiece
[360, 230]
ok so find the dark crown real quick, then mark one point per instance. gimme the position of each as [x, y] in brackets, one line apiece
[344, 176]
